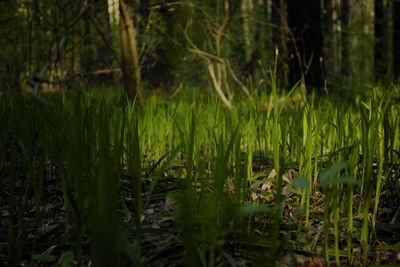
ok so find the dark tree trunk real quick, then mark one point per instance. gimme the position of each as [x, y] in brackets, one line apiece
[396, 39]
[87, 52]
[276, 24]
[328, 37]
[305, 43]
[276, 21]
[345, 10]
[380, 49]
[252, 63]
[238, 50]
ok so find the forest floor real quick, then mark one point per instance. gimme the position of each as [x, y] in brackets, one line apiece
[161, 244]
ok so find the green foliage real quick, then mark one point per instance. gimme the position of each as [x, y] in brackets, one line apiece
[109, 167]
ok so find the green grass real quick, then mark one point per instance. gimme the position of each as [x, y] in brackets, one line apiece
[186, 181]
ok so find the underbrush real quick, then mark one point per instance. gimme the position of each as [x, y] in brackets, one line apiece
[277, 181]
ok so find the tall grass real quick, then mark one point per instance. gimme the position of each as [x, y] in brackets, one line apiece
[96, 158]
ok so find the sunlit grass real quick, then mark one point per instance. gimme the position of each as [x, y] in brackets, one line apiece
[109, 162]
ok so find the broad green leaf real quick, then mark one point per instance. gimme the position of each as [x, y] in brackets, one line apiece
[331, 171]
[247, 209]
[301, 182]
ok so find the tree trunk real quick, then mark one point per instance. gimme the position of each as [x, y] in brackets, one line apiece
[238, 49]
[268, 46]
[276, 24]
[87, 52]
[380, 49]
[345, 10]
[130, 59]
[305, 43]
[329, 37]
[276, 21]
[254, 36]
[396, 39]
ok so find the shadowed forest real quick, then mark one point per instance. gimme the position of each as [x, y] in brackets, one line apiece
[199, 133]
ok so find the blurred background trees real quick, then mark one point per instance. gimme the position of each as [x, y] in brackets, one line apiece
[228, 45]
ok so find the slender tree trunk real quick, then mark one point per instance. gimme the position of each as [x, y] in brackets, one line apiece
[380, 49]
[130, 59]
[239, 46]
[276, 21]
[267, 18]
[345, 10]
[305, 43]
[276, 24]
[86, 51]
[267, 31]
[396, 39]
[329, 36]
[253, 9]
